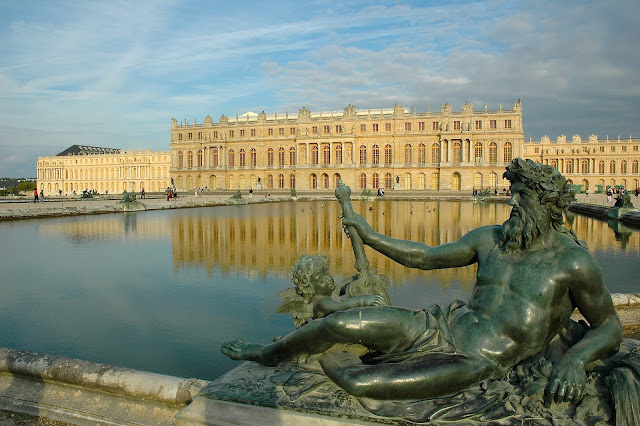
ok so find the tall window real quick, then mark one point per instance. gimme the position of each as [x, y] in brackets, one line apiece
[457, 152]
[374, 127]
[407, 126]
[231, 158]
[493, 152]
[325, 181]
[478, 124]
[363, 181]
[407, 154]
[435, 126]
[292, 181]
[374, 181]
[477, 152]
[314, 154]
[623, 167]
[338, 150]
[243, 157]
[281, 181]
[435, 153]
[508, 152]
[292, 156]
[363, 154]
[612, 166]
[493, 180]
[387, 155]
[254, 157]
[270, 157]
[477, 180]
[507, 124]
[456, 125]
[422, 154]
[568, 167]
[388, 182]
[326, 154]
[584, 166]
[421, 125]
[493, 124]
[634, 167]
[190, 159]
[375, 155]
[601, 167]
[387, 127]
[281, 157]
[200, 158]
[435, 181]
[180, 161]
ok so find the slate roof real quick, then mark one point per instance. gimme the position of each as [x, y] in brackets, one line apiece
[88, 150]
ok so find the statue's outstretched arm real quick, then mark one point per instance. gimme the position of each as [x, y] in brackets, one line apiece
[418, 255]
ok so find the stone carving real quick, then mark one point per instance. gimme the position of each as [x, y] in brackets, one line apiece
[349, 112]
[623, 201]
[467, 107]
[512, 352]
[446, 108]
[398, 111]
[304, 115]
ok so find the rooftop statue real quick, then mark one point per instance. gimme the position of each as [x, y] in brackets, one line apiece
[532, 272]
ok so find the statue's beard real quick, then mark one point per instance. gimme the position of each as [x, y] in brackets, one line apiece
[522, 228]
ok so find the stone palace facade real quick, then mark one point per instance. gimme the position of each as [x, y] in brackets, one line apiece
[394, 149]
[369, 149]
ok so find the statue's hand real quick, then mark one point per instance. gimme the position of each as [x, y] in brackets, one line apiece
[358, 223]
[566, 382]
[371, 300]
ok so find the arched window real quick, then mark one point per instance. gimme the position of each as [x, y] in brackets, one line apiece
[281, 181]
[338, 150]
[292, 181]
[623, 167]
[508, 152]
[363, 154]
[292, 156]
[281, 158]
[254, 157]
[232, 156]
[435, 181]
[477, 153]
[568, 166]
[612, 166]
[363, 181]
[214, 157]
[375, 155]
[336, 179]
[601, 167]
[493, 152]
[456, 184]
[634, 167]
[314, 156]
[375, 181]
[326, 154]
[477, 181]
[270, 157]
[457, 152]
[435, 153]
[387, 155]
[388, 181]
[407, 154]
[422, 154]
[407, 181]
[190, 159]
[243, 157]
[493, 180]
[584, 166]
[325, 181]
[180, 161]
[269, 181]
[200, 158]
[554, 164]
[421, 181]
[314, 181]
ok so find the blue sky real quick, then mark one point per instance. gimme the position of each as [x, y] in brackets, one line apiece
[114, 73]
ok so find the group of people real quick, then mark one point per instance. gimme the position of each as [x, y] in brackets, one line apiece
[170, 193]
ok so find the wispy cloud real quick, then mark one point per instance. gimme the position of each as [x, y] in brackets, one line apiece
[114, 73]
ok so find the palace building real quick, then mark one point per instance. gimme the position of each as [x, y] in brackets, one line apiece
[593, 163]
[105, 170]
[369, 149]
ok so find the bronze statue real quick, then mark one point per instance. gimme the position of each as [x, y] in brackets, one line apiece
[532, 273]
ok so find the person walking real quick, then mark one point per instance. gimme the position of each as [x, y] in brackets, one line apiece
[35, 195]
[250, 192]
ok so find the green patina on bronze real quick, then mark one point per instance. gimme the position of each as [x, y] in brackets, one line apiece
[532, 273]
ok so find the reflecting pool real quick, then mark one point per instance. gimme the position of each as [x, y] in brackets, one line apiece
[161, 290]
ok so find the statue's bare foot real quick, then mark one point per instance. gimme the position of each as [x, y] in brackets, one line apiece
[240, 349]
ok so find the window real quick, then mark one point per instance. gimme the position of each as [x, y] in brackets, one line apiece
[292, 181]
[180, 161]
[387, 154]
[623, 167]
[314, 155]
[387, 127]
[199, 136]
[407, 154]
[215, 134]
[635, 148]
[231, 158]
[422, 154]
[200, 158]
[624, 149]
[387, 180]
[493, 124]
[478, 124]
[634, 167]
[292, 130]
[407, 127]
[507, 124]
[612, 166]
[477, 153]
[435, 126]
[602, 149]
[374, 127]
[281, 131]
[421, 125]
[601, 167]
[270, 131]
[363, 154]
[292, 157]
[281, 181]
[254, 157]
[190, 159]
[214, 157]
[363, 127]
[375, 181]
[270, 157]
[326, 154]
[190, 136]
[568, 167]
[456, 125]
[435, 153]
[314, 130]
[338, 128]
[253, 132]
[231, 133]
[327, 130]
[613, 149]
[281, 157]
[338, 151]
[375, 153]
[508, 152]
[243, 157]
[179, 136]
[363, 181]
[241, 133]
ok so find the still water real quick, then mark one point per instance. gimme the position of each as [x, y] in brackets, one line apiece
[161, 290]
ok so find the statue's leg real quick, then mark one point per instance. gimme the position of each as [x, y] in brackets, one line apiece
[382, 328]
[431, 375]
